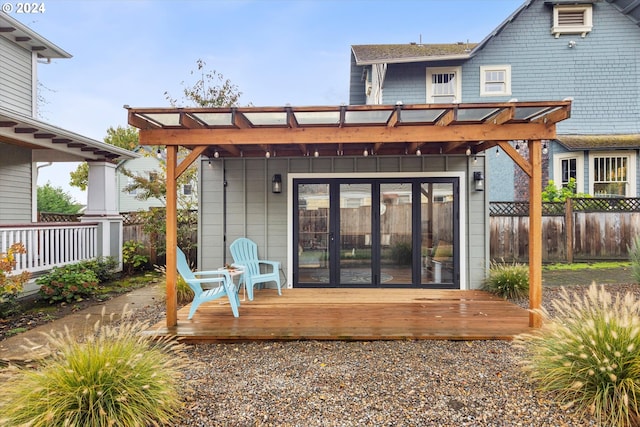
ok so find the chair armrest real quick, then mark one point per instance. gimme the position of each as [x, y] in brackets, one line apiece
[274, 264]
[222, 272]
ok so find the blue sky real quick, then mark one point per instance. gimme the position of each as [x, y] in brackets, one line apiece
[276, 51]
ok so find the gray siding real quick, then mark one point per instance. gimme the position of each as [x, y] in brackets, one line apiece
[15, 78]
[15, 184]
[252, 210]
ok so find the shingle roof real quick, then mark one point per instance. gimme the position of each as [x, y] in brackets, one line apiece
[396, 53]
[602, 142]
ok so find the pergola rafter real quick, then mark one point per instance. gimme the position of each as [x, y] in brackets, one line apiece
[434, 129]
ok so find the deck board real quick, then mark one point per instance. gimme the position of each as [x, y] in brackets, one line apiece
[354, 314]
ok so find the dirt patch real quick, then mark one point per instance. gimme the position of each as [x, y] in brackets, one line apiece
[587, 276]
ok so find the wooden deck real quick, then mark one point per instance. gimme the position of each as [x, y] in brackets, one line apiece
[354, 314]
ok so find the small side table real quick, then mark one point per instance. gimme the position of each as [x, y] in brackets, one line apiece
[237, 272]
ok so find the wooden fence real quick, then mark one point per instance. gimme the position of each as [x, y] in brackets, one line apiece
[578, 230]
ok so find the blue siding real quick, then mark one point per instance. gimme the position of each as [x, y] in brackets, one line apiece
[601, 73]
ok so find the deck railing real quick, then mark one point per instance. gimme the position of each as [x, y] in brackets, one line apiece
[50, 244]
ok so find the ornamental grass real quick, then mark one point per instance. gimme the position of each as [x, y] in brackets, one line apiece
[114, 376]
[509, 281]
[588, 355]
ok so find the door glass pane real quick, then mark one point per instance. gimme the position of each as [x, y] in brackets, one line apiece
[355, 234]
[313, 233]
[437, 210]
[395, 233]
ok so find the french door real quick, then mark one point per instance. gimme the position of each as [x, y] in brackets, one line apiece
[379, 232]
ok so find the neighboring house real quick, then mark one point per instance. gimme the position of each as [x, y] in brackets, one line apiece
[588, 51]
[26, 141]
[148, 165]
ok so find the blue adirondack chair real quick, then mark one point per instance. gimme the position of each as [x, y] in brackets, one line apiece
[245, 254]
[207, 285]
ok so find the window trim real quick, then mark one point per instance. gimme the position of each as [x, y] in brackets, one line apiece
[583, 29]
[631, 190]
[441, 70]
[557, 169]
[507, 79]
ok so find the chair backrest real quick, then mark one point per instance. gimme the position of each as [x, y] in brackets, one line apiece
[183, 266]
[245, 252]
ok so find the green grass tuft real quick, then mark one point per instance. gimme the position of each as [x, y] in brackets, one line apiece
[113, 377]
[588, 355]
[634, 254]
[510, 281]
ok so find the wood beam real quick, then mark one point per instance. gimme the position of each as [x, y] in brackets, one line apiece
[516, 157]
[535, 233]
[553, 117]
[447, 118]
[393, 119]
[347, 135]
[504, 116]
[141, 123]
[188, 161]
[172, 236]
[240, 121]
[189, 122]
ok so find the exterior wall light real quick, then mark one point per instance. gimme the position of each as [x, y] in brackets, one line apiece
[478, 179]
[276, 184]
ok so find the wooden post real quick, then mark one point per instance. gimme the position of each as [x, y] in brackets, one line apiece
[535, 232]
[172, 236]
[569, 228]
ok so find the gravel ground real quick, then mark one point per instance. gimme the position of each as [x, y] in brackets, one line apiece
[381, 383]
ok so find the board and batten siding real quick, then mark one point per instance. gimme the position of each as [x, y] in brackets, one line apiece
[16, 82]
[248, 208]
[15, 184]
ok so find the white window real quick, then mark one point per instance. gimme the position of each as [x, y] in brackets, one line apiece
[495, 80]
[572, 19]
[613, 174]
[130, 182]
[444, 85]
[567, 166]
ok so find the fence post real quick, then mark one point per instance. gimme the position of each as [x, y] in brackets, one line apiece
[569, 228]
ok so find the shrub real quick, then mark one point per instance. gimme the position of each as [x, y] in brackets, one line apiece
[114, 376]
[634, 254]
[183, 291]
[510, 281]
[401, 253]
[103, 267]
[588, 355]
[132, 259]
[11, 285]
[69, 283]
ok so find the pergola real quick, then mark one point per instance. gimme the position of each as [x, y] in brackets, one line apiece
[354, 130]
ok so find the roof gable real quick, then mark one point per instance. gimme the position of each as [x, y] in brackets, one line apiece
[25, 37]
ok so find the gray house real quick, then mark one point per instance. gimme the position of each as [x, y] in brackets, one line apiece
[27, 142]
[585, 50]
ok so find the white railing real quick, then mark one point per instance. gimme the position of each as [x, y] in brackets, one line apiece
[50, 244]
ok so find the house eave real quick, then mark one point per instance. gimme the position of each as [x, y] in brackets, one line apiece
[25, 37]
[54, 143]
[600, 142]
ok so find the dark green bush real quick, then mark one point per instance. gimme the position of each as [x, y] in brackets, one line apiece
[401, 253]
[67, 284]
[132, 258]
[103, 267]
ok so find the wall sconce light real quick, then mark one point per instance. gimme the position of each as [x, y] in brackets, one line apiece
[276, 184]
[572, 44]
[478, 179]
